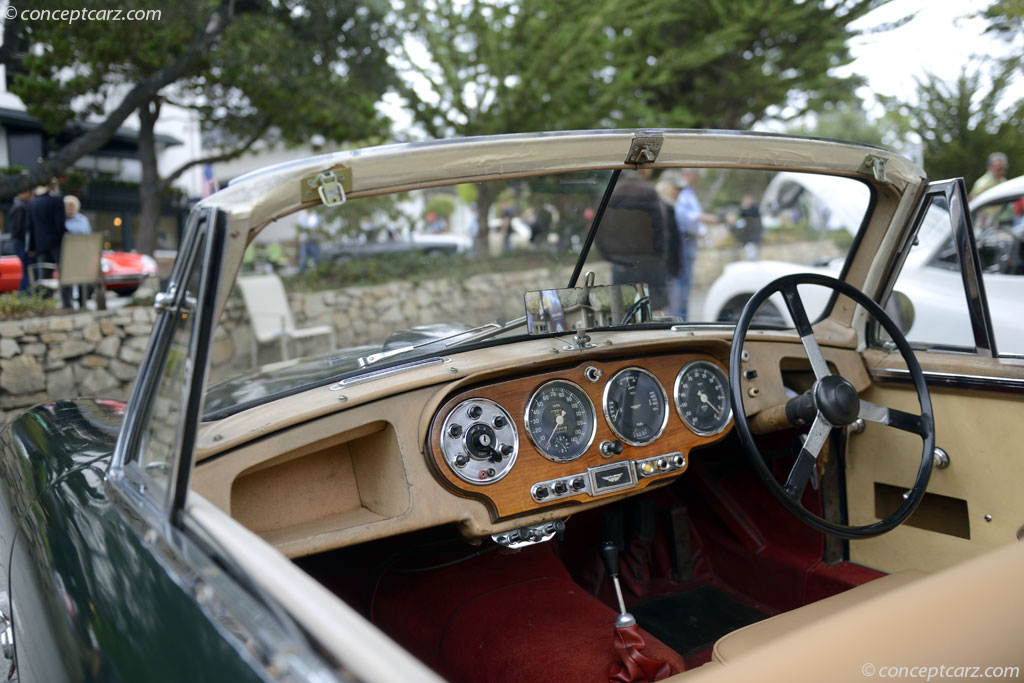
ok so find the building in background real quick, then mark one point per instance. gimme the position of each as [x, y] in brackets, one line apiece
[107, 181]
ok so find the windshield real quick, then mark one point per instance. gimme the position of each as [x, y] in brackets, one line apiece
[346, 290]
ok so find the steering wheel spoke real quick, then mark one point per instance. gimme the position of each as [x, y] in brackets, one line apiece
[796, 482]
[803, 327]
[832, 401]
[907, 422]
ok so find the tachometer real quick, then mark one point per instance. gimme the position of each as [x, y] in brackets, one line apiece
[636, 406]
[701, 394]
[560, 420]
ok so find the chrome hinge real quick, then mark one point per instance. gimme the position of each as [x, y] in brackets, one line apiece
[163, 300]
[875, 165]
[644, 148]
[329, 187]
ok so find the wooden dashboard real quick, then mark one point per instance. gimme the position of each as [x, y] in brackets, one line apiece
[525, 478]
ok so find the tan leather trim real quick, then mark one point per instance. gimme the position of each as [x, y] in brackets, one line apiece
[969, 615]
[762, 633]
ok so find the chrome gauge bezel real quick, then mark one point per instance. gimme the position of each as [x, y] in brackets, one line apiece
[725, 385]
[529, 426]
[608, 418]
[454, 446]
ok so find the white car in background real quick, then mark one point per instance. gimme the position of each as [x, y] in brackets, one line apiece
[930, 278]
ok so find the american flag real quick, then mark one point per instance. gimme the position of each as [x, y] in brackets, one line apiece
[209, 181]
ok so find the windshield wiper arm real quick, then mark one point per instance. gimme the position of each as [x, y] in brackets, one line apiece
[480, 332]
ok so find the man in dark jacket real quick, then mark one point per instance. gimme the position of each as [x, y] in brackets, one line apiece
[17, 222]
[46, 219]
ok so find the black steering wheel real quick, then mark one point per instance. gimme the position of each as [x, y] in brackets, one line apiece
[832, 402]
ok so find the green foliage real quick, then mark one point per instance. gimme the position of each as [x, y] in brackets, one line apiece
[414, 266]
[280, 64]
[498, 67]
[15, 305]
[440, 204]
[962, 122]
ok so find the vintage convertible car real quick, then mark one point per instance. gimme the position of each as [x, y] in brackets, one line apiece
[123, 271]
[539, 475]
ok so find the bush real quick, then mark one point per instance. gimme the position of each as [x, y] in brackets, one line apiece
[14, 305]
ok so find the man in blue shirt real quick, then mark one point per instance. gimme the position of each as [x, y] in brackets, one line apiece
[690, 219]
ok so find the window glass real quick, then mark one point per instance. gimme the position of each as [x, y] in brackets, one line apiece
[393, 277]
[999, 234]
[935, 307]
[160, 439]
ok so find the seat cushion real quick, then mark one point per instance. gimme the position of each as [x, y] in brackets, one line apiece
[761, 633]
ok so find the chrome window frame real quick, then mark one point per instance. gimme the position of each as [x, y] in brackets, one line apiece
[166, 502]
[954, 193]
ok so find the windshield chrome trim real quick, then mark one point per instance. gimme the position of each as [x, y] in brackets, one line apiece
[386, 372]
[949, 379]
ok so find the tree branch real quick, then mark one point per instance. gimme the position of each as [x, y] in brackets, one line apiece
[165, 183]
[143, 91]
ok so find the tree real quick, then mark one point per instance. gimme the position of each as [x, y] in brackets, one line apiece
[496, 67]
[41, 94]
[280, 71]
[962, 122]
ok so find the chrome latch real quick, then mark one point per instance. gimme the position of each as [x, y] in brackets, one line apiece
[875, 165]
[330, 189]
[645, 148]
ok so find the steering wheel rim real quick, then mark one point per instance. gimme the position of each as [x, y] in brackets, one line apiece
[838, 410]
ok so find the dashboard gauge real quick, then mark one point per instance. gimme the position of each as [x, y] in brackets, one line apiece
[701, 395]
[636, 406]
[560, 420]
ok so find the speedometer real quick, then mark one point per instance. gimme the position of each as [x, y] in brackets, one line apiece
[560, 420]
[635, 406]
[701, 394]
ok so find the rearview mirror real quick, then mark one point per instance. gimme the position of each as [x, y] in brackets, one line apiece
[586, 308]
[901, 310]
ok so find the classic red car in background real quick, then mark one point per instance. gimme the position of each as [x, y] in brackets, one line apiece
[123, 271]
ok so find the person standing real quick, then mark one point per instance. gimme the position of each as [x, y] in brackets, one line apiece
[690, 220]
[995, 172]
[46, 222]
[17, 220]
[76, 223]
[309, 246]
[751, 226]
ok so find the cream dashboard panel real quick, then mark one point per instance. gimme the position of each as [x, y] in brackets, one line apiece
[376, 469]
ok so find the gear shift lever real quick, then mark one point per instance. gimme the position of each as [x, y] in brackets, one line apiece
[610, 557]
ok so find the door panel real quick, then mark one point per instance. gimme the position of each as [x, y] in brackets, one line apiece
[982, 432]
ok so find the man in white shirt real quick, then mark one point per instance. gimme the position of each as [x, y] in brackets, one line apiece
[690, 218]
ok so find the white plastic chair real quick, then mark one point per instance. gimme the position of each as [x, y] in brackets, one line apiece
[80, 264]
[271, 316]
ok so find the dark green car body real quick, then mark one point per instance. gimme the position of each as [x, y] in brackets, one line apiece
[91, 600]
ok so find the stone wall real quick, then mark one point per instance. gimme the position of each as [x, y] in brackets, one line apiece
[86, 354]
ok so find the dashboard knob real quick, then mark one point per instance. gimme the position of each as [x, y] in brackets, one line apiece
[610, 448]
[662, 464]
[560, 488]
[475, 412]
[499, 421]
[455, 431]
[577, 484]
[678, 461]
[461, 460]
[540, 492]
[505, 449]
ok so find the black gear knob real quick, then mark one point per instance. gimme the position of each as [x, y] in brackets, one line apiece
[610, 557]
